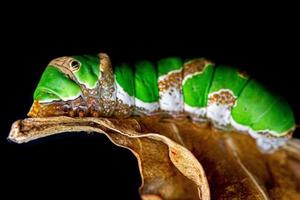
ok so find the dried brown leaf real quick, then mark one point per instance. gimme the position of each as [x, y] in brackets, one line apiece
[169, 153]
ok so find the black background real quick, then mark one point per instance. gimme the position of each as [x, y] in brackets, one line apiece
[264, 43]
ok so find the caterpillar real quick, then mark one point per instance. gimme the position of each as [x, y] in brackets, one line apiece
[88, 85]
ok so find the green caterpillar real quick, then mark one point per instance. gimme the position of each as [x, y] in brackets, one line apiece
[87, 85]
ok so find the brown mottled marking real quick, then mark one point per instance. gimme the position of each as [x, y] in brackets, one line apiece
[48, 109]
[72, 108]
[107, 87]
[223, 98]
[105, 64]
[172, 80]
[196, 65]
[122, 109]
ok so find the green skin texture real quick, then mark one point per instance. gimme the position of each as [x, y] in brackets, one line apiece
[54, 85]
[195, 90]
[261, 110]
[220, 80]
[89, 71]
[255, 107]
[164, 66]
[146, 88]
[125, 77]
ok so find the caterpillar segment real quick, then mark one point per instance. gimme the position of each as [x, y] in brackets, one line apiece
[170, 85]
[197, 76]
[146, 88]
[225, 88]
[266, 117]
[124, 79]
[89, 86]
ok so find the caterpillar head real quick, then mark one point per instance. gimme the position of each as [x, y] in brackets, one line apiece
[75, 86]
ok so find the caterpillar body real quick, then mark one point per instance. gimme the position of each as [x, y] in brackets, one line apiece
[88, 85]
